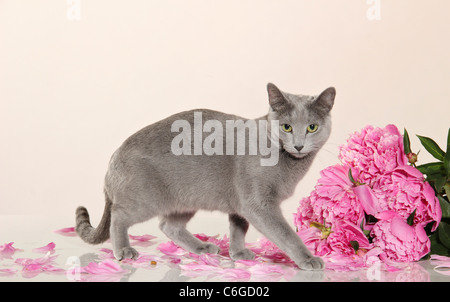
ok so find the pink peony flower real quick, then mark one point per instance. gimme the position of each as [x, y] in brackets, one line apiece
[333, 199]
[373, 152]
[334, 240]
[305, 212]
[400, 241]
[402, 190]
[383, 186]
[340, 238]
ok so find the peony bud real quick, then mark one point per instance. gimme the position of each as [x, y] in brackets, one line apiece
[412, 158]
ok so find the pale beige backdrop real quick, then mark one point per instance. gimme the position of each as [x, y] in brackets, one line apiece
[72, 90]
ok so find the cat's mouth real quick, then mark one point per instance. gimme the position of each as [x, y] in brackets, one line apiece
[294, 153]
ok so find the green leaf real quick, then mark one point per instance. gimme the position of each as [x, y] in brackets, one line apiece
[438, 181]
[444, 234]
[445, 207]
[447, 189]
[351, 176]
[410, 219]
[406, 142]
[355, 245]
[436, 247]
[432, 168]
[431, 146]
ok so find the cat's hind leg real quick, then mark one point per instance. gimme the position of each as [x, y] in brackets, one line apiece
[174, 226]
[238, 229]
[119, 235]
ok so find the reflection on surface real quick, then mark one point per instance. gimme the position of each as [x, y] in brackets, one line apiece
[70, 256]
[170, 272]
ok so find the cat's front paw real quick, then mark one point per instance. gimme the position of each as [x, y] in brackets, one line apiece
[311, 264]
[126, 253]
[244, 254]
[208, 248]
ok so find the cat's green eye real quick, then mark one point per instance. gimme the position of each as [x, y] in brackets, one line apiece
[312, 128]
[286, 128]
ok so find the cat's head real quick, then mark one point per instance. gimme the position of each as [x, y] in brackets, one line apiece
[305, 122]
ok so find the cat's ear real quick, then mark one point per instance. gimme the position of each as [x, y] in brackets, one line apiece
[325, 100]
[277, 100]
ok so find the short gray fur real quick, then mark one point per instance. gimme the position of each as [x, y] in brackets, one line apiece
[145, 179]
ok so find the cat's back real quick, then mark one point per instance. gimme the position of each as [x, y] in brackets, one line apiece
[157, 138]
[146, 159]
[153, 143]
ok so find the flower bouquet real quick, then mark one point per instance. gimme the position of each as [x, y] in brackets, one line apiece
[377, 205]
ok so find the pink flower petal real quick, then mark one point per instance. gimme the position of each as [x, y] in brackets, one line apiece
[171, 249]
[439, 258]
[209, 260]
[32, 267]
[198, 267]
[47, 259]
[247, 262]
[142, 238]
[402, 230]
[368, 200]
[45, 249]
[7, 271]
[236, 274]
[387, 215]
[442, 269]
[7, 250]
[341, 262]
[52, 269]
[107, 254]
[105, 267]
[69, 232]
[266, 269]
[442, 264]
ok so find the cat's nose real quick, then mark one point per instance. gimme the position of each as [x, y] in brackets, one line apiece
[298, 148]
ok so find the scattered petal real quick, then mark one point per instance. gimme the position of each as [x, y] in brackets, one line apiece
[7, 271]
[49, 248]
[7, 250]
[247, 262]
[32, 267]
[142, 238]
[105, 267]
[69, 232]
[266, 269]
[171, 249]
[442, 264]
[236, 274]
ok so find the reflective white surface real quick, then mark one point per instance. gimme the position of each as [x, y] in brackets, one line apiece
[29, 232]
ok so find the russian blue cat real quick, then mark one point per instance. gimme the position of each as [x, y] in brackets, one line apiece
[145, 178]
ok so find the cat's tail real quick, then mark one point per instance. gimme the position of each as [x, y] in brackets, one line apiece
[84, 228]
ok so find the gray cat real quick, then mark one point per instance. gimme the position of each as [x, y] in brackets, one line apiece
[146, 179]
